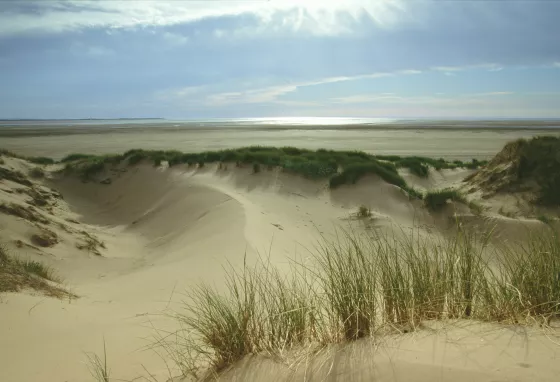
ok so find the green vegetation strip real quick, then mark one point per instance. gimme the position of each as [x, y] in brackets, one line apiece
[340, 167]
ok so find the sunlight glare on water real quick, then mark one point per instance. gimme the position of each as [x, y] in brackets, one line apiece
[325, 121]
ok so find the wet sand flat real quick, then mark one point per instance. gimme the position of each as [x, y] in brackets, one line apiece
[451, 143]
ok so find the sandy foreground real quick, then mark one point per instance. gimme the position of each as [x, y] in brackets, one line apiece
[166, 230]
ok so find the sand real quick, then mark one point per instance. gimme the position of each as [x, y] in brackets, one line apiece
[165, 230]
[451, 143]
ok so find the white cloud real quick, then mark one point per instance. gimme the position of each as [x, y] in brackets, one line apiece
[491, 94]
[271, 93]
[453, 69]
[321, 16]
[179, 93]
[557, 64]
[175, 38]
[390, 98]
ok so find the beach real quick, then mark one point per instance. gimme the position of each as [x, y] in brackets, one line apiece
[461, 140]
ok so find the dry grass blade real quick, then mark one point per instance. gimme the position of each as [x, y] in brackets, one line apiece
[98, 367]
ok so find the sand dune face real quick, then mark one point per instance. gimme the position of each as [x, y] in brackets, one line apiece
[462, 352]
[164, 230]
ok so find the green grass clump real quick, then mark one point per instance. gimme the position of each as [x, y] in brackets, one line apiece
[41, 160]
[37, 172]
[16, 274]
[358, 286]
[533, 273]
[37, 268]
[415, 166]
[262, 311]
[351, 174]
[538, 159]
[137, 158]
[363, 212]
[76, 156]
[436, 200]
[36, 160]
[87, 166]
[413, 193]
[545, 219]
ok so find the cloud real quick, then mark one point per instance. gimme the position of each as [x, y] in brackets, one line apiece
[272, 93]
[175, 38]
[438, 99]
[452, 69]
[490, 94]
[57, 16]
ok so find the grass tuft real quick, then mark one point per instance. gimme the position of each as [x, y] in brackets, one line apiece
[546, 219]
[37, 172]
[437, 200]
[363, 212]
[41, 160]
[357, 286]
[16, 274]
[37, 268]
[98, 367]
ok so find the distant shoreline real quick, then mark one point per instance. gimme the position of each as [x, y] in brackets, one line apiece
[73, 119]
[38, 130]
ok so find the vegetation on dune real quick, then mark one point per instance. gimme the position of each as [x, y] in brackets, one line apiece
[36, 160]
[356, 287]
[437, 199]
[16, 274]
[525, 166]
[23, 211]
[413, 193]
[40, 160]
[98, 367]
[363, 212]
[539, 159]
[14, 176]
[37, 172]
[256, 168]
[88, 166]
[340, 167]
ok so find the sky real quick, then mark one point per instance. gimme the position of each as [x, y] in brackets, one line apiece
[239, 59]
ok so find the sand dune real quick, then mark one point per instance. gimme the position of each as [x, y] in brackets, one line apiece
[460, 352]
[165, 230]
